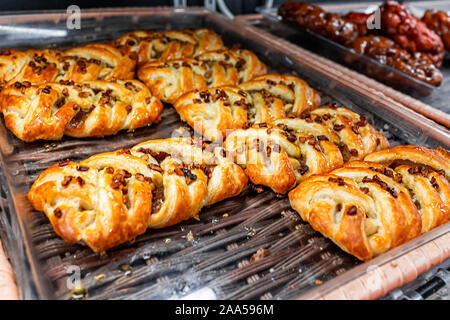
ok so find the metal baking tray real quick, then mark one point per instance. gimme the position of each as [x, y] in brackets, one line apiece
[212, 257]
[317, 43]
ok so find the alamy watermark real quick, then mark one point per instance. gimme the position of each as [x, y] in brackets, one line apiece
[74, 279]
[74, 17]
[374, 20]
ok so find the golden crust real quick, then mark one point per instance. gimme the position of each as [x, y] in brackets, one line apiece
[214, 112]
[368, 208]
[413, 221]
[358, 137]
[426, 174]
[278, 96]
[246, 63]
[315, 143]
[90, 109]
[112, 197]
[325, 204]
[113, 65]
[413, 155]
[218, 111]
[87, 207]
[91, 62]
[366, 213]
[170, 80]
[168, 45]
[279, 157]
[207, 40]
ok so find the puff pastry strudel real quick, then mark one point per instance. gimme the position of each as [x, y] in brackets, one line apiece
[426, 175]
[168, 45]
[112, 197]
[245, 62]
[289, 150]
[169, 80]
[277, 96]
[88, 109]
[368, 208]
[217, 111]
[214, 112]
[79, 64]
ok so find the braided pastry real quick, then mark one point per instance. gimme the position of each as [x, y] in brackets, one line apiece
[171, 79]
[246, 62]
[168, 45]
[89, 109]
[207, 40]
[215, 111]
[426, 175]
[112, 197]
[281, 156]
[367, 208]
[315, 143]
[277, 96]
[357, 137]
[80, 64]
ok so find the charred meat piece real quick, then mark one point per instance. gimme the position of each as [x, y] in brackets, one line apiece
[439, 22]
[409, 32]
[314, 18]
[386, 51]
[360, 19]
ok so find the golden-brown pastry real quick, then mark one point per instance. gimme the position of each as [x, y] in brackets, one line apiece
[278, 96]
[368, 208]
[282, 156]
[112, 197]
[113, 65]
[364, 212]
[426, 175]
[88, 109]
[246, 62]
[315, 143]
[80, 64]
[217, 111]
[168, 45]
[170, 80]
[218, 73]
[207, 40]
[214, 112]
[358, 137]
[414, 156]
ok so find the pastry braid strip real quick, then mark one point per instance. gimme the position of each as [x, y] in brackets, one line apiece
[112, 197]
[214, 112]
[79, 64]
[426, 175]
[280, 96]
[367, 208]
[312, 144]
[89, 109]
[168, 45]
[169, 80]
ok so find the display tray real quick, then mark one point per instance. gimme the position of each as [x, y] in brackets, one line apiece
[420, 96]
[209, 258]
[434, 96]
